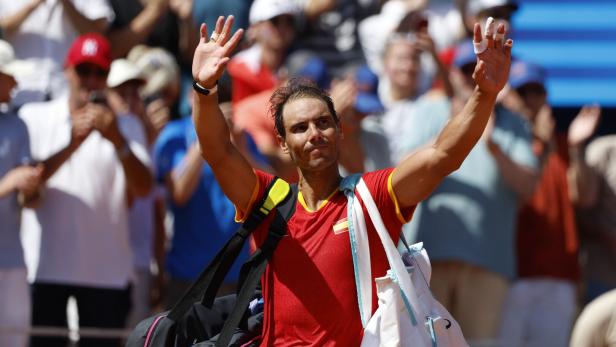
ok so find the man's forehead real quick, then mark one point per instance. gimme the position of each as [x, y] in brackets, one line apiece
[304, 108]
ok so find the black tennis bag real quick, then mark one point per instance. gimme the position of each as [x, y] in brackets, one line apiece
[201, 319]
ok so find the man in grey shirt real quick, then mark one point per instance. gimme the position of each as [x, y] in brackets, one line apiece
[18, 182]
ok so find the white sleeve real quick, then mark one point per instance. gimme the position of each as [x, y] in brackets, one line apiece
[133, 132]
[95, 9]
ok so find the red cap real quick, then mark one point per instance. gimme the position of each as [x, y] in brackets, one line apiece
[90, 48]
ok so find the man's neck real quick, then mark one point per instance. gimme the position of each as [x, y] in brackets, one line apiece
[318, 186]
[272, 59]
[399, 94]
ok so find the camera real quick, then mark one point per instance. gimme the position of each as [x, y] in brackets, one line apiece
[98, 97]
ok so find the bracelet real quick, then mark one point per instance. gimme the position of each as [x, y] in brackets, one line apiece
[202, 90]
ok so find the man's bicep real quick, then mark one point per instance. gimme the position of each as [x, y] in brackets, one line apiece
[416, 176]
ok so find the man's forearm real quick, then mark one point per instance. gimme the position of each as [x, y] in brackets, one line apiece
[139, 178]
[463, 131]
[211, 127]
[522, 179]
[186, 176]
[122, 40]
[82, 23]
[53, 163]
[11, 23]
[583, 181]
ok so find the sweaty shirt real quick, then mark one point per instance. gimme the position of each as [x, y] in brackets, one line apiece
[309, 284]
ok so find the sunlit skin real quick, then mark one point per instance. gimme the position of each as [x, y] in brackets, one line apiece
[83, 80]
[534, 96]
[312, 136]
[277, 33]
[402, 67]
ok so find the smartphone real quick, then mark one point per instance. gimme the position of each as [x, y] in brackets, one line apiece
[98, 97]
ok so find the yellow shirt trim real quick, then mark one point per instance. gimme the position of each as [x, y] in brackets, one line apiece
[240, 216]
[300, 198]
[393, 197]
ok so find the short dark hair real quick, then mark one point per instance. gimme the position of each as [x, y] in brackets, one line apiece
[297, 88]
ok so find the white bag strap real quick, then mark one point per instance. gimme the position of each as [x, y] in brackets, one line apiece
[399, 273]
[360, 250]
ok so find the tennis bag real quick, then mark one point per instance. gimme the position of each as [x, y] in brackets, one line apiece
[201, 319]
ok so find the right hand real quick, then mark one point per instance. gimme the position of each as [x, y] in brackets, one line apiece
[83, 124]
[211, 56]
[26, 179]
[584, 125]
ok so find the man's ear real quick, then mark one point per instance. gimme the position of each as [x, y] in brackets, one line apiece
[282, 144]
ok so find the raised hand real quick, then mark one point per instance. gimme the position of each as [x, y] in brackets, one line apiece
[584, 125]
[212, 53]
[492, 69]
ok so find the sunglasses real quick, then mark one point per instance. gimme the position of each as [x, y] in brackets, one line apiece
[286, 20]
[85, 70]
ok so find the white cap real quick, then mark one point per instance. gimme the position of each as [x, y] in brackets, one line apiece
[473, 7]
[157, 65]
[262, 10]
[122, 71]
[11, 66]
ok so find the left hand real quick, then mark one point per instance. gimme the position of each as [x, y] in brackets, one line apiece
[105, 121]
[584, 125]
[492, 69]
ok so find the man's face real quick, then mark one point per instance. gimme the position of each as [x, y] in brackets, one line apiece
[7, 83]
[276, 33]
[312, 135]
[85, 78]
[128, 98]
[534, 96]
[402, 64]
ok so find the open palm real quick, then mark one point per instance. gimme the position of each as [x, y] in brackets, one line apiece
[584, 125]
[212, 53]
[492, 69]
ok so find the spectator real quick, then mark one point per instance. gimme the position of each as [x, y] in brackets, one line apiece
[330, 31]
[272, 29]
[42, 32]
[202, 215]
[479, 10]
[364, 145]
[597, 215]
[93, 159]
[596, 325]
[18, 184]
[403, 87]
[541, 304]
[468, 223]
[161, 91]
[167, 24]
[145, 222]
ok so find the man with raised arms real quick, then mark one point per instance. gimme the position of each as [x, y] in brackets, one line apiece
[308, 286]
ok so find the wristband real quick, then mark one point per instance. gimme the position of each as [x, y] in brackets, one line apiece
[202, 90]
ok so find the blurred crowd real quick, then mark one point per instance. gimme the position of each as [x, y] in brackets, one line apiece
[102, 180]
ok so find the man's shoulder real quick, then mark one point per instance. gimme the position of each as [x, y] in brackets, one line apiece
[175, 129]
[44, 113]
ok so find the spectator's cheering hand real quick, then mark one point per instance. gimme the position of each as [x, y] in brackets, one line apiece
[212, 53]
[584, 125]
[493, 57]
